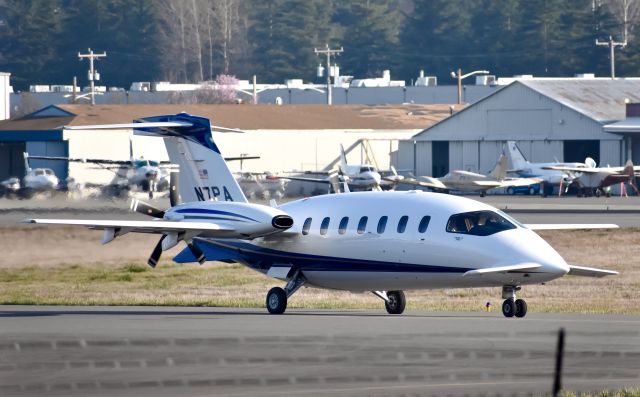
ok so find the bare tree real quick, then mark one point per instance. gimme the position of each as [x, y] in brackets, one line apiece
[626, 13]
[221, 90]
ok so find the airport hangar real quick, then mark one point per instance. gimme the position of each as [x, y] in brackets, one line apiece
[563, 119]
[288, 137]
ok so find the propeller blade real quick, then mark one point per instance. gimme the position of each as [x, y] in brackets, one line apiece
[174, 194]
[197, 252]
[146, 209]
[155, 254]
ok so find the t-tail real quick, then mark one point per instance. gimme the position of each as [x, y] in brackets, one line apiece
[516, 157]
[204, 174]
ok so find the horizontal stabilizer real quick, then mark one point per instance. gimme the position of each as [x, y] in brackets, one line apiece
[503, 269]
[159, 227]
[590, 271]
[570, 226]
[169, 124]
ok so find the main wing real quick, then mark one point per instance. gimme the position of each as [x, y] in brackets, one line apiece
[570, 226]
[154, 227]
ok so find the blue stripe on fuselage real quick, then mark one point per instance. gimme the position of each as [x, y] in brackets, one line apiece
[258, 256]
[209, 211]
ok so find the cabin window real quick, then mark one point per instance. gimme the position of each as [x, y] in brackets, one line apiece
[478, 223]
[306, 226]
[382, 224]
[324, 225]
[424, 224]
[402, 224]
[342, 228]
[362, 225]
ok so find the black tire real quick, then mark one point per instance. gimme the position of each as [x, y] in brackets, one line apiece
[532, 191]
[511, 191]
[276, 300]
[482, 194]
[396, 302]
[508, 308]
[521, 308]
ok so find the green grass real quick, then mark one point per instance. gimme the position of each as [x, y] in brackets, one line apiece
[606, 393]
[233, 285]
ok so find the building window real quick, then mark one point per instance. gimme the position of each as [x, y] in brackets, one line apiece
[424, 224]
[342, 229]
[402, 225]
[362, 225]
[382, 224]
[324, 225]
[306, 226]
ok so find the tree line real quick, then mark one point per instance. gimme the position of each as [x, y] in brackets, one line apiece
[188, 41]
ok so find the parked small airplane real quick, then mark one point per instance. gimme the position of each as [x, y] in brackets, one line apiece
[147, 175]
[593, 180]
[549, 177]
[383, 242]
[261, 184]
[467, 181]
[357, 176]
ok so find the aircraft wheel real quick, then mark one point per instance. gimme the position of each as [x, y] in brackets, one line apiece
[276, 300]
[482, 194]
[508, 308]
[396, 302]
[521, 308]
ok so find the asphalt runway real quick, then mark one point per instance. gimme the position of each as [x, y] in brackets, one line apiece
[153, 351]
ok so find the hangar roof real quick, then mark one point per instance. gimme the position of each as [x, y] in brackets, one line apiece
[246, 117]
[600, 99]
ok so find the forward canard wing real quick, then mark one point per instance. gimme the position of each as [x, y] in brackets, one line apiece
[590, 271]
[520, 267]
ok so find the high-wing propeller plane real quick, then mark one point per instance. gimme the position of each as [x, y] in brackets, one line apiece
[591, 179]
[383, 242]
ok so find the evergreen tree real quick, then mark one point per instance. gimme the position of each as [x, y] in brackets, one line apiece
[370, 37]
[30, 32]
[284, 34]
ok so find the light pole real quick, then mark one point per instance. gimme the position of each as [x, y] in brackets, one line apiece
[461, 76]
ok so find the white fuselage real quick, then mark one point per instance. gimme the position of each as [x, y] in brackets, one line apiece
[361, 258]
[41, 179]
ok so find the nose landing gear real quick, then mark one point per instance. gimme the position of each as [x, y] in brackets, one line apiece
[512, 306]
[394, 301]
[277, 297]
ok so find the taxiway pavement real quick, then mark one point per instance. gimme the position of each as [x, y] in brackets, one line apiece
[167, 351]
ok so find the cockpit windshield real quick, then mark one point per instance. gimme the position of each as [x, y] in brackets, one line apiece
[478, 223]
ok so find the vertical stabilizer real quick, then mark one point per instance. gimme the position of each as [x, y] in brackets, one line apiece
[27, 169]
[499, 172]
[204, 174]
[516, 158]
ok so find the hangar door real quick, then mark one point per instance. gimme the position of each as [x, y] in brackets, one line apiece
[440, 156]
[11, 160]
[576, 151]
[50, 148]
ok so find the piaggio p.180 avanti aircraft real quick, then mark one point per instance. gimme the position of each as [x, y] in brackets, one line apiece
[383, 242]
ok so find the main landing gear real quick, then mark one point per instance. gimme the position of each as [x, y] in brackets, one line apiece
[512, 306]
[394, 301]
[277, 297]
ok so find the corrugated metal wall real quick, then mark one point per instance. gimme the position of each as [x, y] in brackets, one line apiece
[489, 153]
[456, 155]
[470, 153]
[424, 161]
[405, 158]
[610, 152]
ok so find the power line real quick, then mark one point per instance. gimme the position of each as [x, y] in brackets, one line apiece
[93, 75]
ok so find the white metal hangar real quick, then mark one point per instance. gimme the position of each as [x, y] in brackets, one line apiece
[287, 138]
[552, 119]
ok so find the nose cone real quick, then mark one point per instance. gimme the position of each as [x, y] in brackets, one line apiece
[526, 246]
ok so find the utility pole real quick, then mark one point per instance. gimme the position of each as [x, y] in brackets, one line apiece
[329, 52]
[612, 57]
[93, 75]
